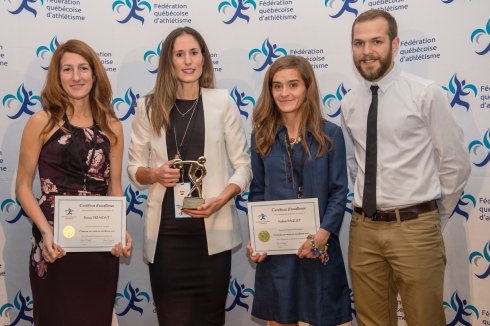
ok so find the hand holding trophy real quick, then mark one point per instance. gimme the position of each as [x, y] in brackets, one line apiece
[196, 173]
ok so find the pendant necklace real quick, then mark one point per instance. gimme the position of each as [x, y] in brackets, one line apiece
[192, 107]
[178, 147]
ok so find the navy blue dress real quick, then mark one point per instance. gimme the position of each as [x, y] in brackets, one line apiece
[289, 289]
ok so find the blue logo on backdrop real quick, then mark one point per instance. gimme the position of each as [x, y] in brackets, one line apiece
[241, 100]
[462, 202]
[269, 51]
[23, 305]
[133, 198]
[43, 50]
[7, 204]
[345, 7]
[134, 7]
[150, 55]
[475, 256]
[476, 144]
[24, 5]
[128, 101]
[479, 33]
[133, 296]
[25, 98]
[352, 302]
[350, 198]
[239, 292]
[332, 101]
[458, 88]
[242, 199]
[239, 7]
[460, 307]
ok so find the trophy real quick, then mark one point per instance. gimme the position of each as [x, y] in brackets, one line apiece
[194, 168]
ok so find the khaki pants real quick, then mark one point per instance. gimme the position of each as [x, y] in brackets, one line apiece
[406, 257]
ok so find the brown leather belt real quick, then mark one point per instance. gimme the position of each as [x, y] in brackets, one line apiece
[406, 213]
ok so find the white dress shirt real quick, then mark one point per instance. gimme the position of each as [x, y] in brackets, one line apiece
[421, 152]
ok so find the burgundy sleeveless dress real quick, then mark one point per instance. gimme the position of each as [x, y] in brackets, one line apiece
[80, 288]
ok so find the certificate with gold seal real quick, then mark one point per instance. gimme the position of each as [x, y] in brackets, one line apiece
[89, 223]
[281, 226]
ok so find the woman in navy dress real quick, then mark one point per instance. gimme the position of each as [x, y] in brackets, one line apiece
[77, 143]
[296, 153]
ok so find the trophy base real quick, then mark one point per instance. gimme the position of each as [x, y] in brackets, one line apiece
[192, 202]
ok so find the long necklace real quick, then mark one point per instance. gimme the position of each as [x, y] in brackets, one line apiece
[192, 107]
[89, 163]
[290, 141]
[178, 155]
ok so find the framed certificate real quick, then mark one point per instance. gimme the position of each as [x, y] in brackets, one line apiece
[89, 223]
[281, 226]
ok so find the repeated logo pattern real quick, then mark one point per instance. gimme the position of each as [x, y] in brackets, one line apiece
[134, 7]
[475, 257]
[462, 308]
[239, 292]
[43, 50]
[239, 199]
[463, 201]
[133, 296]
[350, 199]
[239, 7]
[25, 97]
[128, 103]
[476, 144]
[242, 100]
[270, 51]
[480, 33]
[24, 5]
[134, 198]
[152, 56]
[460, 89]
[331, 101]
[352, 303]
[7, 204]
[346, 7]
[23, 305]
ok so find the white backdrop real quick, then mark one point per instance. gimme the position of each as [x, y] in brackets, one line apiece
[444, 40]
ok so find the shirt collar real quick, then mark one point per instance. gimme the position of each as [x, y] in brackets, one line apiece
[385, 82]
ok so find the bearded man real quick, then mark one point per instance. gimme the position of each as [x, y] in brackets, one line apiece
[409, 166]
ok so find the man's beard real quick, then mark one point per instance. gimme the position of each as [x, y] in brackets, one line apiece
[372, 75]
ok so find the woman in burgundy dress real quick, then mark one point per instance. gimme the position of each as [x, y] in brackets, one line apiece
[77, 142]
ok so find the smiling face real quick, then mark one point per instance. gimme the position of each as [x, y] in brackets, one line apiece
[187, 59]
[76, 76]
[372, 49]
[288, 91]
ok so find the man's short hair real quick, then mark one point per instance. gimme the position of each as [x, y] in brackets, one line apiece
[372, 15]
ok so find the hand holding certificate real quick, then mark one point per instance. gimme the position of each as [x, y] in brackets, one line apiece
[281, 226]
[89, 223]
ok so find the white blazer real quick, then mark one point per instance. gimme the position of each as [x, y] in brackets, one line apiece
[224, 139]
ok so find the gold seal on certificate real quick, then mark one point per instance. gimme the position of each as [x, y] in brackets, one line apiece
[196, 173]
[264, 236]
[281, 226]
[68, 231]
[89, 223]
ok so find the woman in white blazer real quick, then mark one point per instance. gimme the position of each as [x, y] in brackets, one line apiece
[189, 251]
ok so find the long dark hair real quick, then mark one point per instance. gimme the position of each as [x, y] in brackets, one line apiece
[161, 100]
